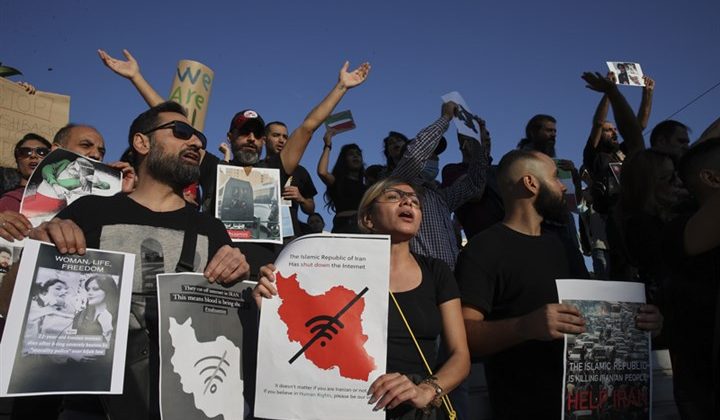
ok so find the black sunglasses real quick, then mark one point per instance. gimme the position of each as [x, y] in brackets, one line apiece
[181, 130]
[28, 151]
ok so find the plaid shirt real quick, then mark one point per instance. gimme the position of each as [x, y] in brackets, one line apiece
[436, 237]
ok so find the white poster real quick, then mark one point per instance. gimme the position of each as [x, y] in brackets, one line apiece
[66, 330]
[323, 339]
[464, 121]
[626, 73]
[200, 347]
[607, 369]
[248, 203]
[63, 177]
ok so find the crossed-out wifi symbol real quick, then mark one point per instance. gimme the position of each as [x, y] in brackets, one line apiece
[325, 323]
[217, 374]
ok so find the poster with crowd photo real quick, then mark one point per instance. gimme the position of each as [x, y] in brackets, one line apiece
[66, 330]
[608, 373]
[626, 73]
[248, 203]
[201, 336]
[323, 338]
[63, 177]
[464, 120]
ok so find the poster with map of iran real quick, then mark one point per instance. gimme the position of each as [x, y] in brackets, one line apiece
[201, 339]
[323, 338]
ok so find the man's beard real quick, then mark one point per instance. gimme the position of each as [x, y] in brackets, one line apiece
[547, 147]
[609, 146]
[551, 207]
[246, 157]
[170, 169]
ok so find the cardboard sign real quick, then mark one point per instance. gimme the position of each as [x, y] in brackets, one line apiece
[191, 88]
[20, 113]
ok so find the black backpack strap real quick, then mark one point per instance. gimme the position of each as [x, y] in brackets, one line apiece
[187, 255]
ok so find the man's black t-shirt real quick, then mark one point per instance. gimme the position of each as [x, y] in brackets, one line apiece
[301, 179]
[506, 274]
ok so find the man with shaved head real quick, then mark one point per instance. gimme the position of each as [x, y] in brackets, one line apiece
[507, 278]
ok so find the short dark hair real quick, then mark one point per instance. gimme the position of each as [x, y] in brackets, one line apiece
[32, 136]
[665, 129]
[61, 137]
[147, 121]
[507, 161]
[267, 126]
[536, 123]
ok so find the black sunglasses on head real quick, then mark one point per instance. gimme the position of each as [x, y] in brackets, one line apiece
[28, 151]
[181, 130]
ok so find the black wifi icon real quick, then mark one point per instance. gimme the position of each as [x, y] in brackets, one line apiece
[323, 324]
[214, 366]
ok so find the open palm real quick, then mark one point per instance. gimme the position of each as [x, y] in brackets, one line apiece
[355, 77]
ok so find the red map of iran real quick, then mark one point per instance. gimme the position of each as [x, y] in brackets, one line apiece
[327, 341]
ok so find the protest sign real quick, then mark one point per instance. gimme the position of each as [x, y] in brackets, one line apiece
[248, 201]
[63, 177]
[66, 331]
[201, 337]
[340, 122]
[567, 180]
[191, 88]
[323, 339]
[464, 121]
[21, 113]
[626, 73]
[607, 369]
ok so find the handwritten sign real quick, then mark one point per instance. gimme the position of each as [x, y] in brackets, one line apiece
[191, 88]
[21, 113]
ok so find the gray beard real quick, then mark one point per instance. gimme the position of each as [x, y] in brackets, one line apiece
[245, 157]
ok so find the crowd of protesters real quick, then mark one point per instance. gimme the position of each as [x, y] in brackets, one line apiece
[646, 214]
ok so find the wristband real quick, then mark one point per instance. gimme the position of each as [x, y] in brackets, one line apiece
[328, 146]
[437, 401]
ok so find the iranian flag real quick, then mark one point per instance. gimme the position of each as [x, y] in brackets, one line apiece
[342, 121]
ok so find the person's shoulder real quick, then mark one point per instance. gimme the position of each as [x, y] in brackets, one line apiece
[430, 262]
[488, 236]
[300, 171]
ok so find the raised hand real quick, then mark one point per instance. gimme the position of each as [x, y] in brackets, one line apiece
[327, 138]
[649, 83]
[596, 82]
[127, 69]
[449, 109]
[355, 77]
[650, 319]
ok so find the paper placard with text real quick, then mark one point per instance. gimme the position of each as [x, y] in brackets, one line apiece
[67, 326]
[201, 337]
[323, 338]
[607, 369]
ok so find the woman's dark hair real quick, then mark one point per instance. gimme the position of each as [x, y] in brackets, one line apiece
[341, 171]
[389, 164]
[31, 136]
[42, 289]
[107, 284]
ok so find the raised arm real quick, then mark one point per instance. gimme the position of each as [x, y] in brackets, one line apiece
[300, 137]
[130, 70]
[646, 102]
[422, 146]
[599, 118]
[627, 122]
[324, 162]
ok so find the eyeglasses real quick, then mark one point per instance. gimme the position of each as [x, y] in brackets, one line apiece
[393, 195]
[181, 130]
[28, 151]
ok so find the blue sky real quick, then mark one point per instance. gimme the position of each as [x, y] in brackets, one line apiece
[510, 60]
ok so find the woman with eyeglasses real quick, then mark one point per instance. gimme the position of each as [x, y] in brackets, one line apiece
[345, 184]
[428, 296]
[29, 151]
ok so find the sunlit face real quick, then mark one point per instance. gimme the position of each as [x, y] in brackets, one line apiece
[171, 159]
[246, 145]
[27, 164]
[396, 212]
[95, 295]
[609, 132]
[277, 136]
[86, 141]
